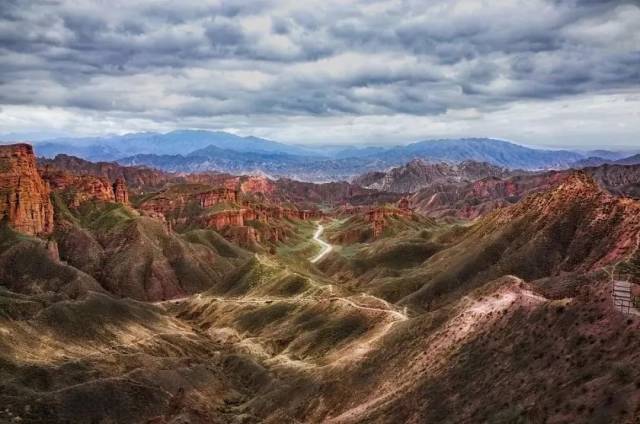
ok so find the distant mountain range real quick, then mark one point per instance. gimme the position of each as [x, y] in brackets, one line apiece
[597, 161]
[197, 150]
[172, 143]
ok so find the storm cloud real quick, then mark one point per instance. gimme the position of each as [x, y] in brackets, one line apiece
[259, 66]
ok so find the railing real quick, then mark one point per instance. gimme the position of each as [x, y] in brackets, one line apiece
[621, 295]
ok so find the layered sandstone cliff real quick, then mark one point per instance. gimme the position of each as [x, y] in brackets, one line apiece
[78, 189]
[24, 195]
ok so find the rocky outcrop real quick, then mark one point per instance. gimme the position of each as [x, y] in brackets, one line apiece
[78, 189]
[471, 200]
[257, 185]
[377, 227]
[224, 219]
[24, 195]
[623, 180]
[120, 192]
[52, 249]
[182, 201]
[376, 217]
[219, 195]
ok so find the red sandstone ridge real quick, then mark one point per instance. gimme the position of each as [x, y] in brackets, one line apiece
[137, 178]
[24, 195]
[175, 200]
[78, 189]
[576, 226]
[224, 219]
[473, 199]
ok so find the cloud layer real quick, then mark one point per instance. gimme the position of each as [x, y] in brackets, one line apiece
[353, 68]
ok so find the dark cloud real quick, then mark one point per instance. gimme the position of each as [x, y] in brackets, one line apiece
[212, 58]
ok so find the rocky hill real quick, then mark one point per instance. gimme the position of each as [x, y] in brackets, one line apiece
[575, 227]
[419, 174]
[470, 200]
[473, 199]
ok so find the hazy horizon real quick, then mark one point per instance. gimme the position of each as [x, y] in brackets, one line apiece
[38, 138]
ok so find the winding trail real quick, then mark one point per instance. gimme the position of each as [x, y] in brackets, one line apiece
[352, 352]
[326, 247]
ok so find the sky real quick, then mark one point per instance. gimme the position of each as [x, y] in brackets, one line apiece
[553, 73]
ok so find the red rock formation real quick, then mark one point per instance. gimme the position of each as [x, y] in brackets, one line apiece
[224, 219]
[257, 185]
[375, 214]
[470, 200]
[137, 178]
[304, 215]
[590, 227]
[79, 188]
[120, 191]
[24, 195]
[219, 195]
[378, 227]
[377, 218]
[348, 210]
[175, 200]
[276, 212]
[276, 235]
[53, 251]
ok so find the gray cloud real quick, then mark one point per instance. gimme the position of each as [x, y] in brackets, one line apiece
[162, 61]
